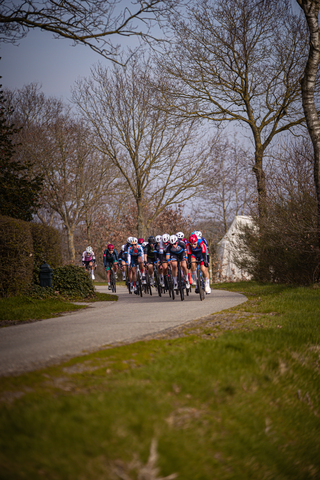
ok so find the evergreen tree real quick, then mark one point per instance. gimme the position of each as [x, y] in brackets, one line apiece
[18, 193]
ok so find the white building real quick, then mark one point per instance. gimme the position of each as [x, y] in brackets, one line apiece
[227, 247]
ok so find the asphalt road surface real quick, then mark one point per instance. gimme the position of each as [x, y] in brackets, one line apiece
[30, 346]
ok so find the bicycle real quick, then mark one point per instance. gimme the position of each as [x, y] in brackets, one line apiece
[113, 281]
[147, 286]
[90, 267]
[128, 284]
[200, 282]
[181, 284]
[170, 282]
[139, 282]
[157, 283]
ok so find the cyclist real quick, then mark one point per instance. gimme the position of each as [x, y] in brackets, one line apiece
[150, 255]
[89, 259]
[134, 259]
[142, 243]
[198, 252]
[163, 245]
[110, 260]
[176, 250]
[181, 237]
[158, 247]
[201, 238]
[122, 258]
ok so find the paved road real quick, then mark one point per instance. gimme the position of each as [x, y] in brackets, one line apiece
[31, 346]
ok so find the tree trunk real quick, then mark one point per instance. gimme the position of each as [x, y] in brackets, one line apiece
[140, 219]
[72, 252]
[261, 182]
[88, 227]
[308, 83]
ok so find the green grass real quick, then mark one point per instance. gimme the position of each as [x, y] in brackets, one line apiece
[243, 406]
[24, 308]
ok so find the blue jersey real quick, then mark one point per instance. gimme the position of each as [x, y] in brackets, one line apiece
[134, 252]
[176, 252]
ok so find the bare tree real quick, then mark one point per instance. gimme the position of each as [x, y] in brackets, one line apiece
[238, 61]
[228, 186]
[308, 85]
[76, 176]
[159, 157]
[94, 23]
[284, 248]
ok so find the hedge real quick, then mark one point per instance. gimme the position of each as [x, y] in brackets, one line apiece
[16, 260]
[46, 248]
[24, 247]
[73, 281]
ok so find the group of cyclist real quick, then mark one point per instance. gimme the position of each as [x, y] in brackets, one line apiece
[158, 252]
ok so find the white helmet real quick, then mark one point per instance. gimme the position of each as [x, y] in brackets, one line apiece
[199, 234]
[180, 235]
[173, 239]
[129, 240]
[123, 247]
[166, 238]
[158, 238]
[134, 241]
[145, 244]
[89, 250]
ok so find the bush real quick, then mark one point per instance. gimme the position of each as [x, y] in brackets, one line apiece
[16, 260]
[46, 248]
[284, 248]
[72, 281]
[42, 293]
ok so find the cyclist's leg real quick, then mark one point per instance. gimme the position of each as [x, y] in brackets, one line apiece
[161, 274]
[206, 278]
[165, 270]
[194, 269]
[141, 268]
[140, 263]
[115, 268]
[91, 269]
[134, 263]
[134, 273]
[123, 269]
[184, 272]
[150, 270]
[108, 275]
[174, 268]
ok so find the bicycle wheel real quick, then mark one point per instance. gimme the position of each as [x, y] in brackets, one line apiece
[139, 283]
[157, 281]
[200, 284]
[114, 288]
[180, 283]
[167, 284]
[149, 283]
[128, 284]
[171, 285]
[111, 280]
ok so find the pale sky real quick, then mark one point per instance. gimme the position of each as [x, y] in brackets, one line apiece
[54, 63]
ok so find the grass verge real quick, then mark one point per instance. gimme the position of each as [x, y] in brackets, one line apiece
[220, 399]
[23, 309]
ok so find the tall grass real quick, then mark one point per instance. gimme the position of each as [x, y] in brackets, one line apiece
[245, 405]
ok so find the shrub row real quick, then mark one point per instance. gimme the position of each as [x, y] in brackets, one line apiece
[73, 281]
[24, 247]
